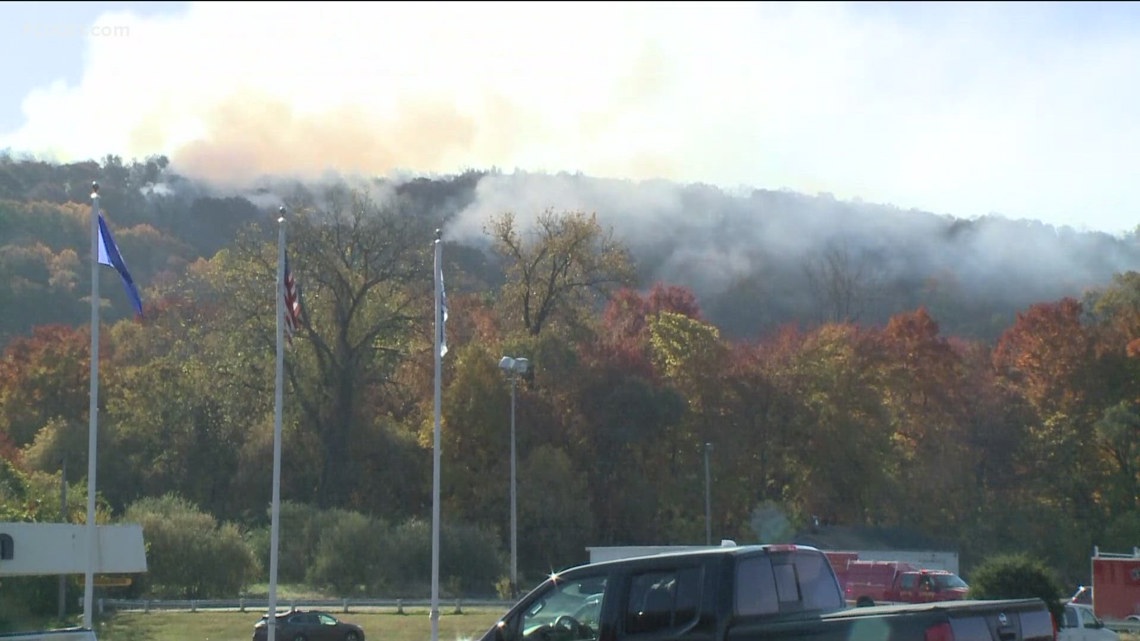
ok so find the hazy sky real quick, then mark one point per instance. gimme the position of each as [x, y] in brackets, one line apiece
[1028, 110]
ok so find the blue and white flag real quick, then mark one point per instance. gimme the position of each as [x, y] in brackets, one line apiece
[109, 255]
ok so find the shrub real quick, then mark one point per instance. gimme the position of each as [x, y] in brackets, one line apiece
[299, 531]
[470, 559]
[189, 554]
[1016, 576]
[348, 553]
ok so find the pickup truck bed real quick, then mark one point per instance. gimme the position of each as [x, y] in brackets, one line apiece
[1011, 620]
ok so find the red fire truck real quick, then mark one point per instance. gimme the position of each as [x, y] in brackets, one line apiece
[1115, 590]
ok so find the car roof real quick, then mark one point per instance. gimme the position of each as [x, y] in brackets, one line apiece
[291, 612]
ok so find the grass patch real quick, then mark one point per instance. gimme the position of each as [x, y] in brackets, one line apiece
[413, 625]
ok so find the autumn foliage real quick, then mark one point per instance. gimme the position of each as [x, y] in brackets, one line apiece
[1022, 445]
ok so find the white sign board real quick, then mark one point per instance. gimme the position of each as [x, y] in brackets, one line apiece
[61, 548]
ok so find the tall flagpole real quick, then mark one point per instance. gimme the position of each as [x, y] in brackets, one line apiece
[435, 463]
[92, 412]
[275, 510]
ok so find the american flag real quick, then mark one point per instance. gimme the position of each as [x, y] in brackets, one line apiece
[292, 304]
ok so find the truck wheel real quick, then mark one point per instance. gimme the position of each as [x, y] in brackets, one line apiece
[864, 602]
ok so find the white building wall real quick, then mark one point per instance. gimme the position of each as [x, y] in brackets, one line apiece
[926, 559]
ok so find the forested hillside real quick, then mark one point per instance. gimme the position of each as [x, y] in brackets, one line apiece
[755, 261]
[974, 381]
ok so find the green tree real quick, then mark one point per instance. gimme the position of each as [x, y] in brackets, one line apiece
[844, 286]
[921, 387]
[189, 554]
[34, 498]
[363, 269]
[689, 356]
[475, 434]
[348, 574]
[470, 558]
[42, 377]
[561, 271]
[300, 527]
[181, 396]
[997, 419]
[1118, 431]
[619, 407]
[555, 521]
[1049, 354]
[1049, 358]
[40, 287]
[1016, 576]
[753, 442]
[841, 464]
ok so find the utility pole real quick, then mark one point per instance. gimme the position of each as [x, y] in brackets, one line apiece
[708, 497]
[63, 517]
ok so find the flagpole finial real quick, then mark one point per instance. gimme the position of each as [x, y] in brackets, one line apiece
[439, 234]
[94, 188]
[281, 215]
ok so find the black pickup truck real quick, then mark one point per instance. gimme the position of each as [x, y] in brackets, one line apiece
[745, 593]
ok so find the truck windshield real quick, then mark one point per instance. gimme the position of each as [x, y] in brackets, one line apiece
[948, 582]
[786, 582]
[569, 610]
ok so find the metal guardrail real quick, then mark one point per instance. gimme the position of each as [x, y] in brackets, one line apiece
[1127, 627]
[399, 606]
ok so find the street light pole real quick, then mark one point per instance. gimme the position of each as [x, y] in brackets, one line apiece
[64, 518]
[708, 498]
[513, 367]
[514, 501]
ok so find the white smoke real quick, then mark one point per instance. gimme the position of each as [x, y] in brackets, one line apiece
[958, 108]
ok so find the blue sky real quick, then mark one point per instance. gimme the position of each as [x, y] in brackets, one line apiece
[49, 41]
[1027, 110]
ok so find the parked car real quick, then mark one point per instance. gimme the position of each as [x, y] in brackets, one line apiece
[308, 625]
[1080, 623]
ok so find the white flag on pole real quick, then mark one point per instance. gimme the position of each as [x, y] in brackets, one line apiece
[443, 312]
